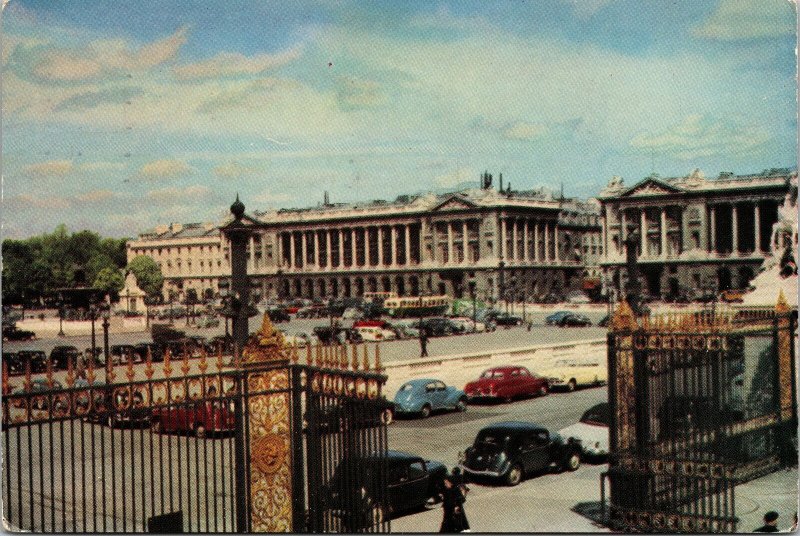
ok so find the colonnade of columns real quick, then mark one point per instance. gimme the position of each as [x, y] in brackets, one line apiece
[457, 240]
[384, 245]
[539, 240]
[714, 245]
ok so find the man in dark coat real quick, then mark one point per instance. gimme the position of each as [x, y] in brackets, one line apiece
[454, 520]
[423, 341]
[770, 523]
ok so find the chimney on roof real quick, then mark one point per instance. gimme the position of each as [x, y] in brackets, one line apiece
[501, 182]
[326, 199]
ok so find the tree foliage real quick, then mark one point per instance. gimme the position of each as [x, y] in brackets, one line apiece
[35, 267]
[148, 275]
[110, 280]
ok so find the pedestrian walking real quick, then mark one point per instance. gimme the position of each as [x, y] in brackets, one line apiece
[423, 341]
[770, 523]
[454, 520]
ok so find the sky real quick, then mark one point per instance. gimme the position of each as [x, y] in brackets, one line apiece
[117, 116]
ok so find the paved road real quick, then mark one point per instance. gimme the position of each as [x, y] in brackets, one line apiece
[390, 351]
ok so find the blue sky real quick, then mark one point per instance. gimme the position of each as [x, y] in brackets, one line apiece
[121, 115]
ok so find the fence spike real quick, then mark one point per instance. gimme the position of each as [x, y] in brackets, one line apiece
[343, 361]
[6, 388]
[366, 358]
[70, 373]
[378, 357]
[203, 361]
[148, 359]
[90, 371]
[185, 366]
[131, 372]
[167, 366]
[354, 360]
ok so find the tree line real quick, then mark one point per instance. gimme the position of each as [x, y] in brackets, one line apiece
[34, 268]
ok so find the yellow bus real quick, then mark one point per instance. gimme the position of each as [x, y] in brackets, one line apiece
[416, 305]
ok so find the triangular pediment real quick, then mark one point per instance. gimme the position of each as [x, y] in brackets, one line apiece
[454, 203]
[649, 187]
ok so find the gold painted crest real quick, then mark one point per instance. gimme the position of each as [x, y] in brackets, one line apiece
[267, 344]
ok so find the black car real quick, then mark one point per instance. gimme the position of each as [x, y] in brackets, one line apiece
[114, 408]
[37, 358]
[121, 352]
[575, 319]
[13, 333]
[13, 363]
[603, 323]
[343, 415]
[142, 348]
[61, 355]
[511, 450]
[412, 483]
[436, 327]
[278, 315]
[505, 319]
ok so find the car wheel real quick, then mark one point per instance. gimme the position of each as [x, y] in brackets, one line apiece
[155, 426]
[542, 391]
[571, 384]
[387, 417]
[514, 475]
[425, 412]
[200, 431]
[573, 462]
[461, 405]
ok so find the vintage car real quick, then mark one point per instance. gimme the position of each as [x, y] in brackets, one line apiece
[374, 333]
[116, 407]
[200, 418]
[591, 431]
[574, 320]
[13, 333]
[412, 482]
[42, 402]
[466, 325]
[37, 359]
[555, 318]
[507, 383]
[424, 396]
[343, 414]
[569, 374]
[512, 450]
[62, 355]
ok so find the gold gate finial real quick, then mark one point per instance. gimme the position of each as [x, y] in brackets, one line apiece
[623, 318]
[267, 345]
[782, 306]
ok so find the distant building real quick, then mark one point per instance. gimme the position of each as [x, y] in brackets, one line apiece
[514, 244]
[700, 235]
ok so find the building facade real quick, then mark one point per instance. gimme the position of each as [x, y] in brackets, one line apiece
[509, 244]
[700, 235]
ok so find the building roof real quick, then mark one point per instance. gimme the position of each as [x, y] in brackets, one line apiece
[697, 182]
[181, 230]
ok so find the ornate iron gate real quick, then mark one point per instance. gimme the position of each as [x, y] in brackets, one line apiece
[263, 444]
[700, 402]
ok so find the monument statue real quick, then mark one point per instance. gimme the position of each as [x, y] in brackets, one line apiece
[633, 288]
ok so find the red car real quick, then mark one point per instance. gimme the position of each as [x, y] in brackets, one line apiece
[201, 419]
[370, 324]
[507, 383]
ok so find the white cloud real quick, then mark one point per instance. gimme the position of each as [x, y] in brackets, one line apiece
[25, 202]
[231, 170]
[165, 169]
[698, 137]
[53, 168]
[103, 57]
[269, 198]
[444, 19]
[228, 64]
[95, 196]
[172, 194]
[735, 20]
[355, 93]
[102, 166]
[455, 177]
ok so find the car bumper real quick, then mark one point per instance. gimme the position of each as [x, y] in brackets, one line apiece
[485, 472]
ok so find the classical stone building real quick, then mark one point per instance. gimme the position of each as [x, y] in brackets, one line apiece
[511, 243]
[700, 235]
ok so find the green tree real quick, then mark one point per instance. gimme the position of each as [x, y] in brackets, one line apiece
[148, 274]
[109, 280]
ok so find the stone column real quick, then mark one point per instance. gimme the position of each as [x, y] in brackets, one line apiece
[328, 249]
[279, 250]
[556, 252]
[252, 252]
[546, 242]
[450, 243]
[514, 238]
[525, 235]
[408, 244]
[663, 232]
[353, 258]
[292, 251]
[304, 248]
[536, 255]
[316, 248]
[393, 260]
[735, 229]
[465, 238]
[712, 246]
[623, 230]
[380, 245]
[757, 226]
[503, 234]
[643, 232]
[604, 227]
[341, 249]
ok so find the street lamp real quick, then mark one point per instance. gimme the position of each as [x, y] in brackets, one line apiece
[60, 315]
[93, 316]
[474, 309]
[106, 323]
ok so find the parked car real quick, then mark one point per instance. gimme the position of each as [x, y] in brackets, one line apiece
[591, 430]
[37, 358]
[351, 313]
[207, 322]
[507, 383]
[201, 418]
[603, 323]
[404, 331]
[61, 355]
[412, 482]
[300, 339]
[40, 385]
[505, 319]
[575, 320]
[424, 396]
[436, 327]
[121, 352]
[570, 374]
[555, 318]
[13, 333]
[369, 333]
[578, 297]
[342, 415]
[141, 349]
[510, 451]
[466, 325]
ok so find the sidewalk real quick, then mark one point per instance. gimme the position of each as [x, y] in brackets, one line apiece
[776, 491]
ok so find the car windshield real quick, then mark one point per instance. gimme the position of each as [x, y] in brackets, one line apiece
[598, 414]
[407, 387]
[496, 374]
[490, 442]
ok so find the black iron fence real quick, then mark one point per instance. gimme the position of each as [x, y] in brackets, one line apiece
[276, 445]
